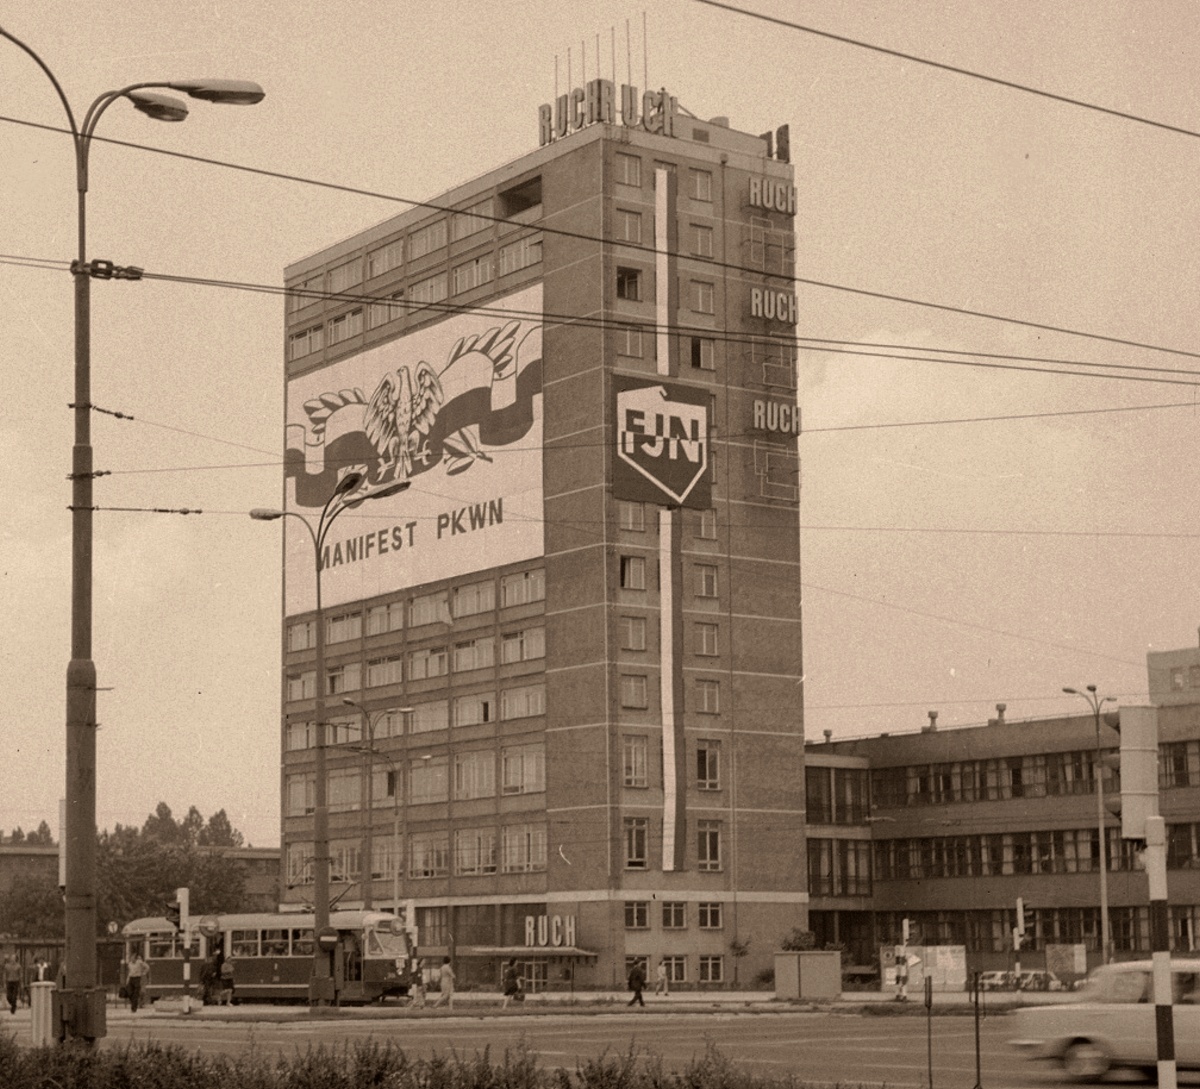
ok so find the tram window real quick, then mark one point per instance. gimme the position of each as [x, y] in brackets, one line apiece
[161, 948]
[302, 943]
[274, 943]
[244, 943]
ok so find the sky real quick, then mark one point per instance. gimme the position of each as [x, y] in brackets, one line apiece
[947, 566]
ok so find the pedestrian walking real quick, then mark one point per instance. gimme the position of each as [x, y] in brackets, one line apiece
[637, 983]
[416, 984]
[511, 983]
[137, 973]
[12, 980]
[661, 984]
[227, 981]
[446, 984]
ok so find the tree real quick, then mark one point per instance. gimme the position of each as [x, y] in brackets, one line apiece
[42, 837]
[33, 908]
[17, 836]
[799, 941]
[219, 832]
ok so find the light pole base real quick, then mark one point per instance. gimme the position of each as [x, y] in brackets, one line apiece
[321, 991]
[80, 1014]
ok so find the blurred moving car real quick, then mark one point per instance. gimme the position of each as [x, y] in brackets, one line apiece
[1040, 981]
[997, 981]
[1113, 1022]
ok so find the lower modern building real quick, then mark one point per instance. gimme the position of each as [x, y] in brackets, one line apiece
[548, 646]
[948, 828]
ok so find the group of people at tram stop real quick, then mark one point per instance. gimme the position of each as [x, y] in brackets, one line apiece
[17, 978]
[418, 984]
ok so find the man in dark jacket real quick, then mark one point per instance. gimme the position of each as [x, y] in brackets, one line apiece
[637, 981]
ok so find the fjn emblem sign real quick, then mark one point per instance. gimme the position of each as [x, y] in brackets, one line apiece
[662, 443]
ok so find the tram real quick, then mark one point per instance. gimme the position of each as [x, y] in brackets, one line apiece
[272, 954]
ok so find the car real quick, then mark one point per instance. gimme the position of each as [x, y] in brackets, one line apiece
[996, 981]
[1040, 981]
[1112, 1024]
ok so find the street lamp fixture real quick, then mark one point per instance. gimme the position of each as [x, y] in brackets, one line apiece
[322, 986]
[80, 1011]
[1095, 703]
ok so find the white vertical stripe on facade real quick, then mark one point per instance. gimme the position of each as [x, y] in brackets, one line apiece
[662, 296]
[666, 643]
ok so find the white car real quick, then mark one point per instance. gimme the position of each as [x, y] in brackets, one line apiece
[1113, 1021]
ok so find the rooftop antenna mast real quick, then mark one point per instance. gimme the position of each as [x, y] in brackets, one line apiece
[645, 62]
[628, 56]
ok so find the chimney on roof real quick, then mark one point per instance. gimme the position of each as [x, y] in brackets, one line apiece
[932, 723]
[1000, 709]
[828, 735]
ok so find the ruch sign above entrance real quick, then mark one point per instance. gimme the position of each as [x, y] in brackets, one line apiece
[662, 443]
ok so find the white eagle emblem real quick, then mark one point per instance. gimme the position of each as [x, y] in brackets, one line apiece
[399, 415]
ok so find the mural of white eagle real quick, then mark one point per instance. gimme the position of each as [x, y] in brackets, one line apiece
[399, 415]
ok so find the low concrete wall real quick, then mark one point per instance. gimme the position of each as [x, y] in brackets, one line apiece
[812, 974]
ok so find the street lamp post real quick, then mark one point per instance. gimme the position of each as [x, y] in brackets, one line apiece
[370, 752]
[1095, 703]
[81, 1002]
[321, 985]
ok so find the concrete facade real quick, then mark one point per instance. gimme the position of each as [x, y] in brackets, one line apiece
[617, 769]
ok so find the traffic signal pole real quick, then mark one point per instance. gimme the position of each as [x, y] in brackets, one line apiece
[1160, 949]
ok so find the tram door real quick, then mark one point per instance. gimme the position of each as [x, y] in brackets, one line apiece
[348, 966]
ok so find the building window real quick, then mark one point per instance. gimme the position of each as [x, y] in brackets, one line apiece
[637, 831]
[706, 640]
[391, 722]
[629, 341]
[523, 702]
[674, 915]
[346, 730]
[381, 671]
[478, 217]
[521, 254]
[389, 309]
[700, 184]
[708, 765]
[301, 794]
[703, 354]
[427, 717]
[345, 326]
[385, 258]
[708, 846]
[628, 226]
[426, 663]
[523, 588]
[708, 696]
[305, 292]
[478, 597]
[299, 864]
[474, 710]
[302, 635]
[429, 854]
[633, 692]
[712, 968]
[474, 774]
[474, 654]
[427, 239]
[474, 851]
[428, 780]
[430, 290]
[300, 735]
[629, 169]
[633, 633]
[701, 297]
[702, 240]
[676, 967]
[637, 914]
[345, 789]
[428, 609]
[633, 573]
[524, 847]
[343, 678]
[471, 274]
[631, 516]
[341, 629]
[707, 529]
[384, 618]
[523, 646]
[706, 580]
[302, 686]
[306, 342]
[1177, 679]
[710, 915]
[629, 284]
[634, 750]
[523, 769]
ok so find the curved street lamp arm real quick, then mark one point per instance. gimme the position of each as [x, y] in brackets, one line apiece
[49, 75]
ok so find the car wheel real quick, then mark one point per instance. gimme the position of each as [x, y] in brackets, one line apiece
[1085, 1060]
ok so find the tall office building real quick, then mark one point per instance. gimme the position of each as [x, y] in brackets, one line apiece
[572, 645]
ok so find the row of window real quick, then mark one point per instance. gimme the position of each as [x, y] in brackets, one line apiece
[635, 833]
[673, 915]
[631, 287]
[706, 636]
[836, 795]
[839, 867]
[634, 689]
[521, 769]
[635, 759]
[513, 848]
[629, 172]
[631, 516]
[710, 967]
[1028, 776]
[444, 606]
[632, 576]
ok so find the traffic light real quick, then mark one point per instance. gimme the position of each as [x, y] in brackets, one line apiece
[905, 930]
[1138, 727]
[177, 910]
[1026, 924]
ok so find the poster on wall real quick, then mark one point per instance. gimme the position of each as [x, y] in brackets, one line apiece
[455, 409]
[662, 433]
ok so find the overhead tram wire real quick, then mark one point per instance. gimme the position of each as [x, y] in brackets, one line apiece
[647, 250]
[942, 66]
